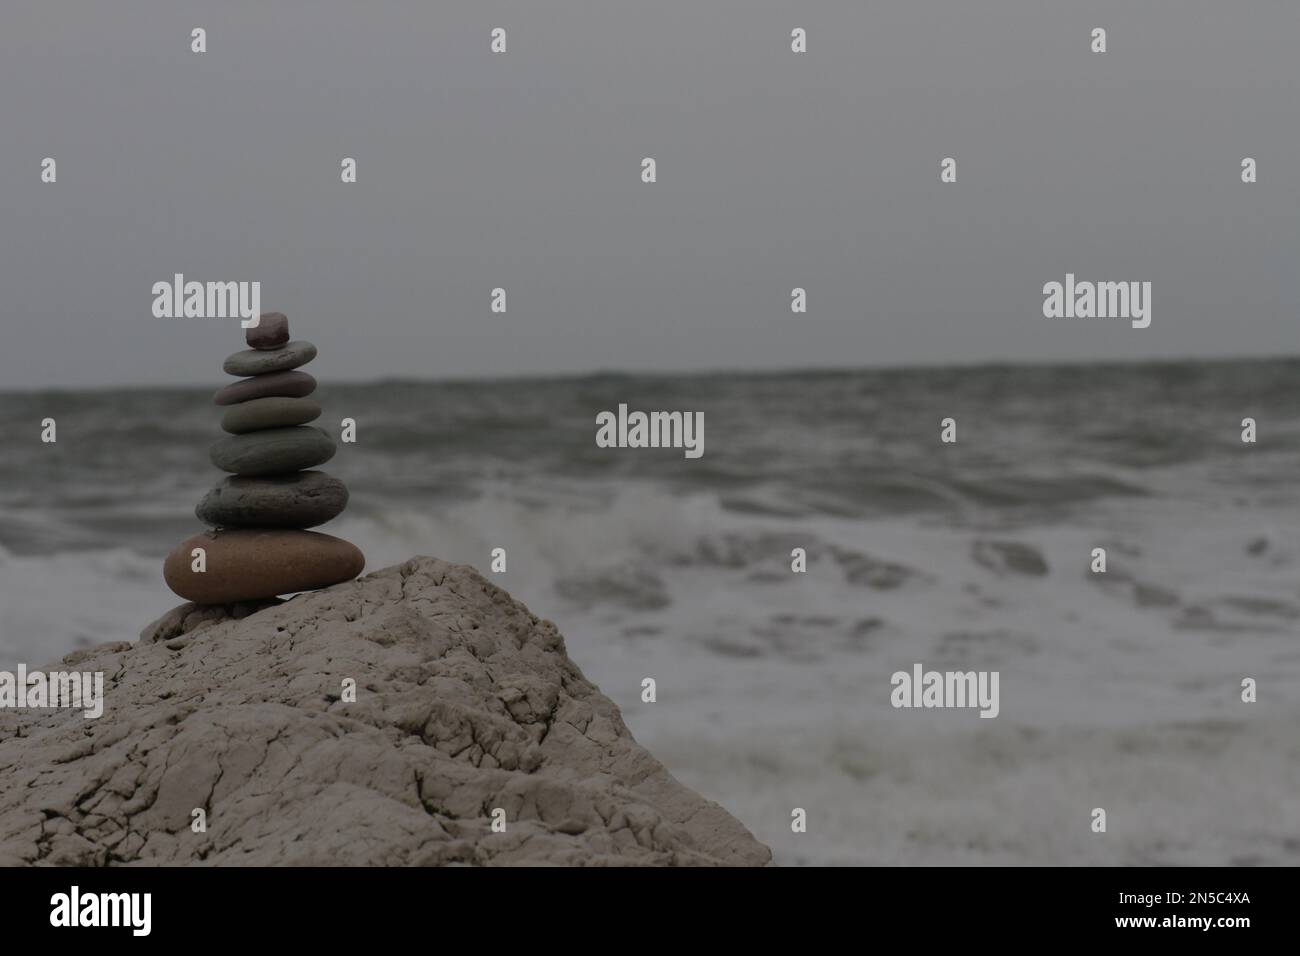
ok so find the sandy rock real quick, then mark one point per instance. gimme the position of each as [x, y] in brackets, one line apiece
[185, 618]
[465, 702]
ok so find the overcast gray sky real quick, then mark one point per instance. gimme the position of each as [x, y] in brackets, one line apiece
[522, 170]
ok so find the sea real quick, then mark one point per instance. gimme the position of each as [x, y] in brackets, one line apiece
[1120, 690]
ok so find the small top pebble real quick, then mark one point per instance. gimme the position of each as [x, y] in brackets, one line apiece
[271, 331]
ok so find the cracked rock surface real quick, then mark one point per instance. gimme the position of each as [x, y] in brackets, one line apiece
[465, 702]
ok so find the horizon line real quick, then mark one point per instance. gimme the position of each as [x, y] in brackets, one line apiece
[708, 372]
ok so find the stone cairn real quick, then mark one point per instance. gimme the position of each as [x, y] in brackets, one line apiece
[258, 547]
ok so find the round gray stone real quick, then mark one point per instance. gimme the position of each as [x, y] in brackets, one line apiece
[273, 451]
[301, 500]
[273, 412]
[271, 331]
[264, 361]
[290, 384]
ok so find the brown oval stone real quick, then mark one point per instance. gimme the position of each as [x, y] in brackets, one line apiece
[288, 384]
[248, 565]
[271, 331]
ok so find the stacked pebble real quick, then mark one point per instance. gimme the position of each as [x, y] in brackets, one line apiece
[259, 548]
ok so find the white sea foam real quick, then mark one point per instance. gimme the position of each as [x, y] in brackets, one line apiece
[773, 688]
[58, 603]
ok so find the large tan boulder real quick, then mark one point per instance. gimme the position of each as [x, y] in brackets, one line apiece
[465, 703]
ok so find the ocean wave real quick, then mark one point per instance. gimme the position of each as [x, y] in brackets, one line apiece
[57, 603]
